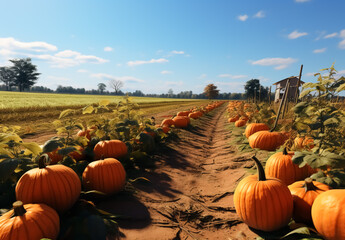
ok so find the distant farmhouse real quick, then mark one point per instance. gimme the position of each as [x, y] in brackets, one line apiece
[281, 86]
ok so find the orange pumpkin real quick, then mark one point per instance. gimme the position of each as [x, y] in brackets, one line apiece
[57, 186]
[107, 176]
[304, 194]
[85, 133]
[110, 149]
[233, 119]
[28, 222]
[263, 203]
[255, 127]
[168, 122]
[240, 123]
[181, 121]
[194, 115]
[266, 140]
[54, 156]
[78, 154]
[280, 166]
[328, 214]
[304, 142]
[183, 113]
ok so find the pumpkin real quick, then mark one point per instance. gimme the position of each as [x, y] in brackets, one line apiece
[110, 149]
[165, 129]
[328, 214]
[304, 194]
[255, 127]
[28, 222]
[266, 140]
[280, 165]
[168, 122]
[183, 113]
[194, 115]
[85, 133]
[107, 176]
[57, 186]
[54, 156]
[304, 142]
[181, 121]
[240, 123]
[233, 119]
[78, 154]
[263, 203]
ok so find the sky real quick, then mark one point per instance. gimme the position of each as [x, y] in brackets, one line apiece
[183, 45]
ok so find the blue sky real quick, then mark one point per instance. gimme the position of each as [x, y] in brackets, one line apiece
[155, 45]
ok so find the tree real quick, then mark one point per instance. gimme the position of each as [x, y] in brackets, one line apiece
[101, 87]
[252, 88]
[211, 91]
[25, 73]
[170, 93]
[116, 85]
[7, 76]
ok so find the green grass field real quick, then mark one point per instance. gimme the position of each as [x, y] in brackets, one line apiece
[20, 100]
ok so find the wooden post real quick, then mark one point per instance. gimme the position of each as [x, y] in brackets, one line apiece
[269, 97]
[285, 107]
[298, 83]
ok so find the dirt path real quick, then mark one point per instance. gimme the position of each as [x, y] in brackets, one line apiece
[191, 190]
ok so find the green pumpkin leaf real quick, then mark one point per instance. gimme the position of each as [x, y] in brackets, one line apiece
[66, 112]
[7, 167]
[104, 102]
[65, 151]
[305, 93]
[34, 148]
[331, 121]
[51, 145]
[88, 109]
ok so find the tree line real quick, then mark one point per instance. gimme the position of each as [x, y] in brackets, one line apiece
[23, 75]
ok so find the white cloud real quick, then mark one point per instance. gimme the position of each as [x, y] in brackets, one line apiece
[15, 45]
[82, 71]
[141, 62]
[202, 76]
[68, 58]
[232, 76]
[279, 63]
[177, 52]
[342, 43]
[108, 77]
[302, 1]
[332, 35]
[242, 17]
[108, 49]
[259, 14]
[164, 72]
[310, 74]
[321, 50]
[295, 34]
[9, 47]
[263, 79]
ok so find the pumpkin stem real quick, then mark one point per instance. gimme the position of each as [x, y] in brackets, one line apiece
[42, 161]
[285, 151]
[309, 185]
[18, 209]
[261, 171]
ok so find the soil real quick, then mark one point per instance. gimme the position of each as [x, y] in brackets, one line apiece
[191, 191]
[190, 194]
